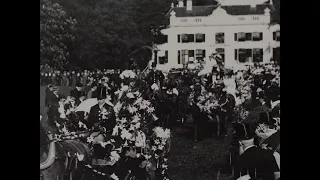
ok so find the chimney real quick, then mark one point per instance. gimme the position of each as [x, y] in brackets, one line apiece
[172, 5]
[271, 2]
[180, 3]
[189, 5]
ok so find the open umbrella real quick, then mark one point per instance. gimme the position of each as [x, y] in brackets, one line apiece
[87, 104]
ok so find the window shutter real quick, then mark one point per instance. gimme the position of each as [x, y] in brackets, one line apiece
[261, 36]
[204, 53]
[204, 38]
[235, 36]
[178, 38]
[274, 36]
[179, 62]
[166, 57]
[236, 54]
[261, 55]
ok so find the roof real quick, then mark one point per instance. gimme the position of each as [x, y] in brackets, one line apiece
[208, 9]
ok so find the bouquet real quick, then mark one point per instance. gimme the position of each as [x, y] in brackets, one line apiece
[264, 131]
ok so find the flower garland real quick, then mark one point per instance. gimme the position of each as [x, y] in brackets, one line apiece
[134, 134]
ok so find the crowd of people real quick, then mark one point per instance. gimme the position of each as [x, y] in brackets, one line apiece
[128, 103]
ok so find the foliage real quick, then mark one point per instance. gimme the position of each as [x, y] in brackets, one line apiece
[56, 34]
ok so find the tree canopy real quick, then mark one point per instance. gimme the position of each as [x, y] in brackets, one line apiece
[56, 34]
[104, 33]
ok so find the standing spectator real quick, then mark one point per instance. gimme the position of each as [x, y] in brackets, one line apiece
[49, 78]
[78, 93]
[53, 79]
[65, 80]
[254, 162]
[74, 79]
[93, 91]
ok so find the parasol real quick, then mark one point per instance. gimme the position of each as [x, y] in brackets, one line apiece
[87, 104]
[273, 141]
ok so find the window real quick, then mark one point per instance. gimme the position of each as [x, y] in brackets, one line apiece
[235, 36]
[200, 54]
[257, 55]
[221, 52]
[236, 54]
[257, 36]
[184, 54]
[248, 36]
[219, 38]
[164, 59]
[187, 38]
[276, 54]
[166, 56]
[179, 57]
[276, 36]
[248, 57]
[190, 55]
[178, 38]
[184, 38]
[161, 60]
[242, 55]
[200, 37]
[241, 36]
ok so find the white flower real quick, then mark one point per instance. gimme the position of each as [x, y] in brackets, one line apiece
[125, 134]
[114, 157]
[155, 87]
[138, 101]
[132, 109]
[150, 109]
[137, 125]
[80, 156]
[115, 131]
[160, 147]
[154, 148]
[130, 95]
[124, 88]
[147, 157]
[155, 117]
[90, 139]
[115, 177]
[117, 107]
[157, 141]
[135, 119]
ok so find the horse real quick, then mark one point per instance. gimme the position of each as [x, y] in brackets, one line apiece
[223, 115]
[58, 160]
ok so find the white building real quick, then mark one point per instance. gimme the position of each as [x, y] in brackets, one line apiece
[239, 32]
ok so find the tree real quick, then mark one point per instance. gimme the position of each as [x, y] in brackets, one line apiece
[56, 34]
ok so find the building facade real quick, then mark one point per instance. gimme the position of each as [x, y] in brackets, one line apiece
[239, 33]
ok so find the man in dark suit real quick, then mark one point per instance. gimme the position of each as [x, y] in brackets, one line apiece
[155, 76]
[96, 118]
[52, 103]
[78, 93]
[258, 163]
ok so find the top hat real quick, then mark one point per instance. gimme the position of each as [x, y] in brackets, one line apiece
[101, 92]
[243, 132]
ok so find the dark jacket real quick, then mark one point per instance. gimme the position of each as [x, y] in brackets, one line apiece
[95, 117]
[259, 163]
